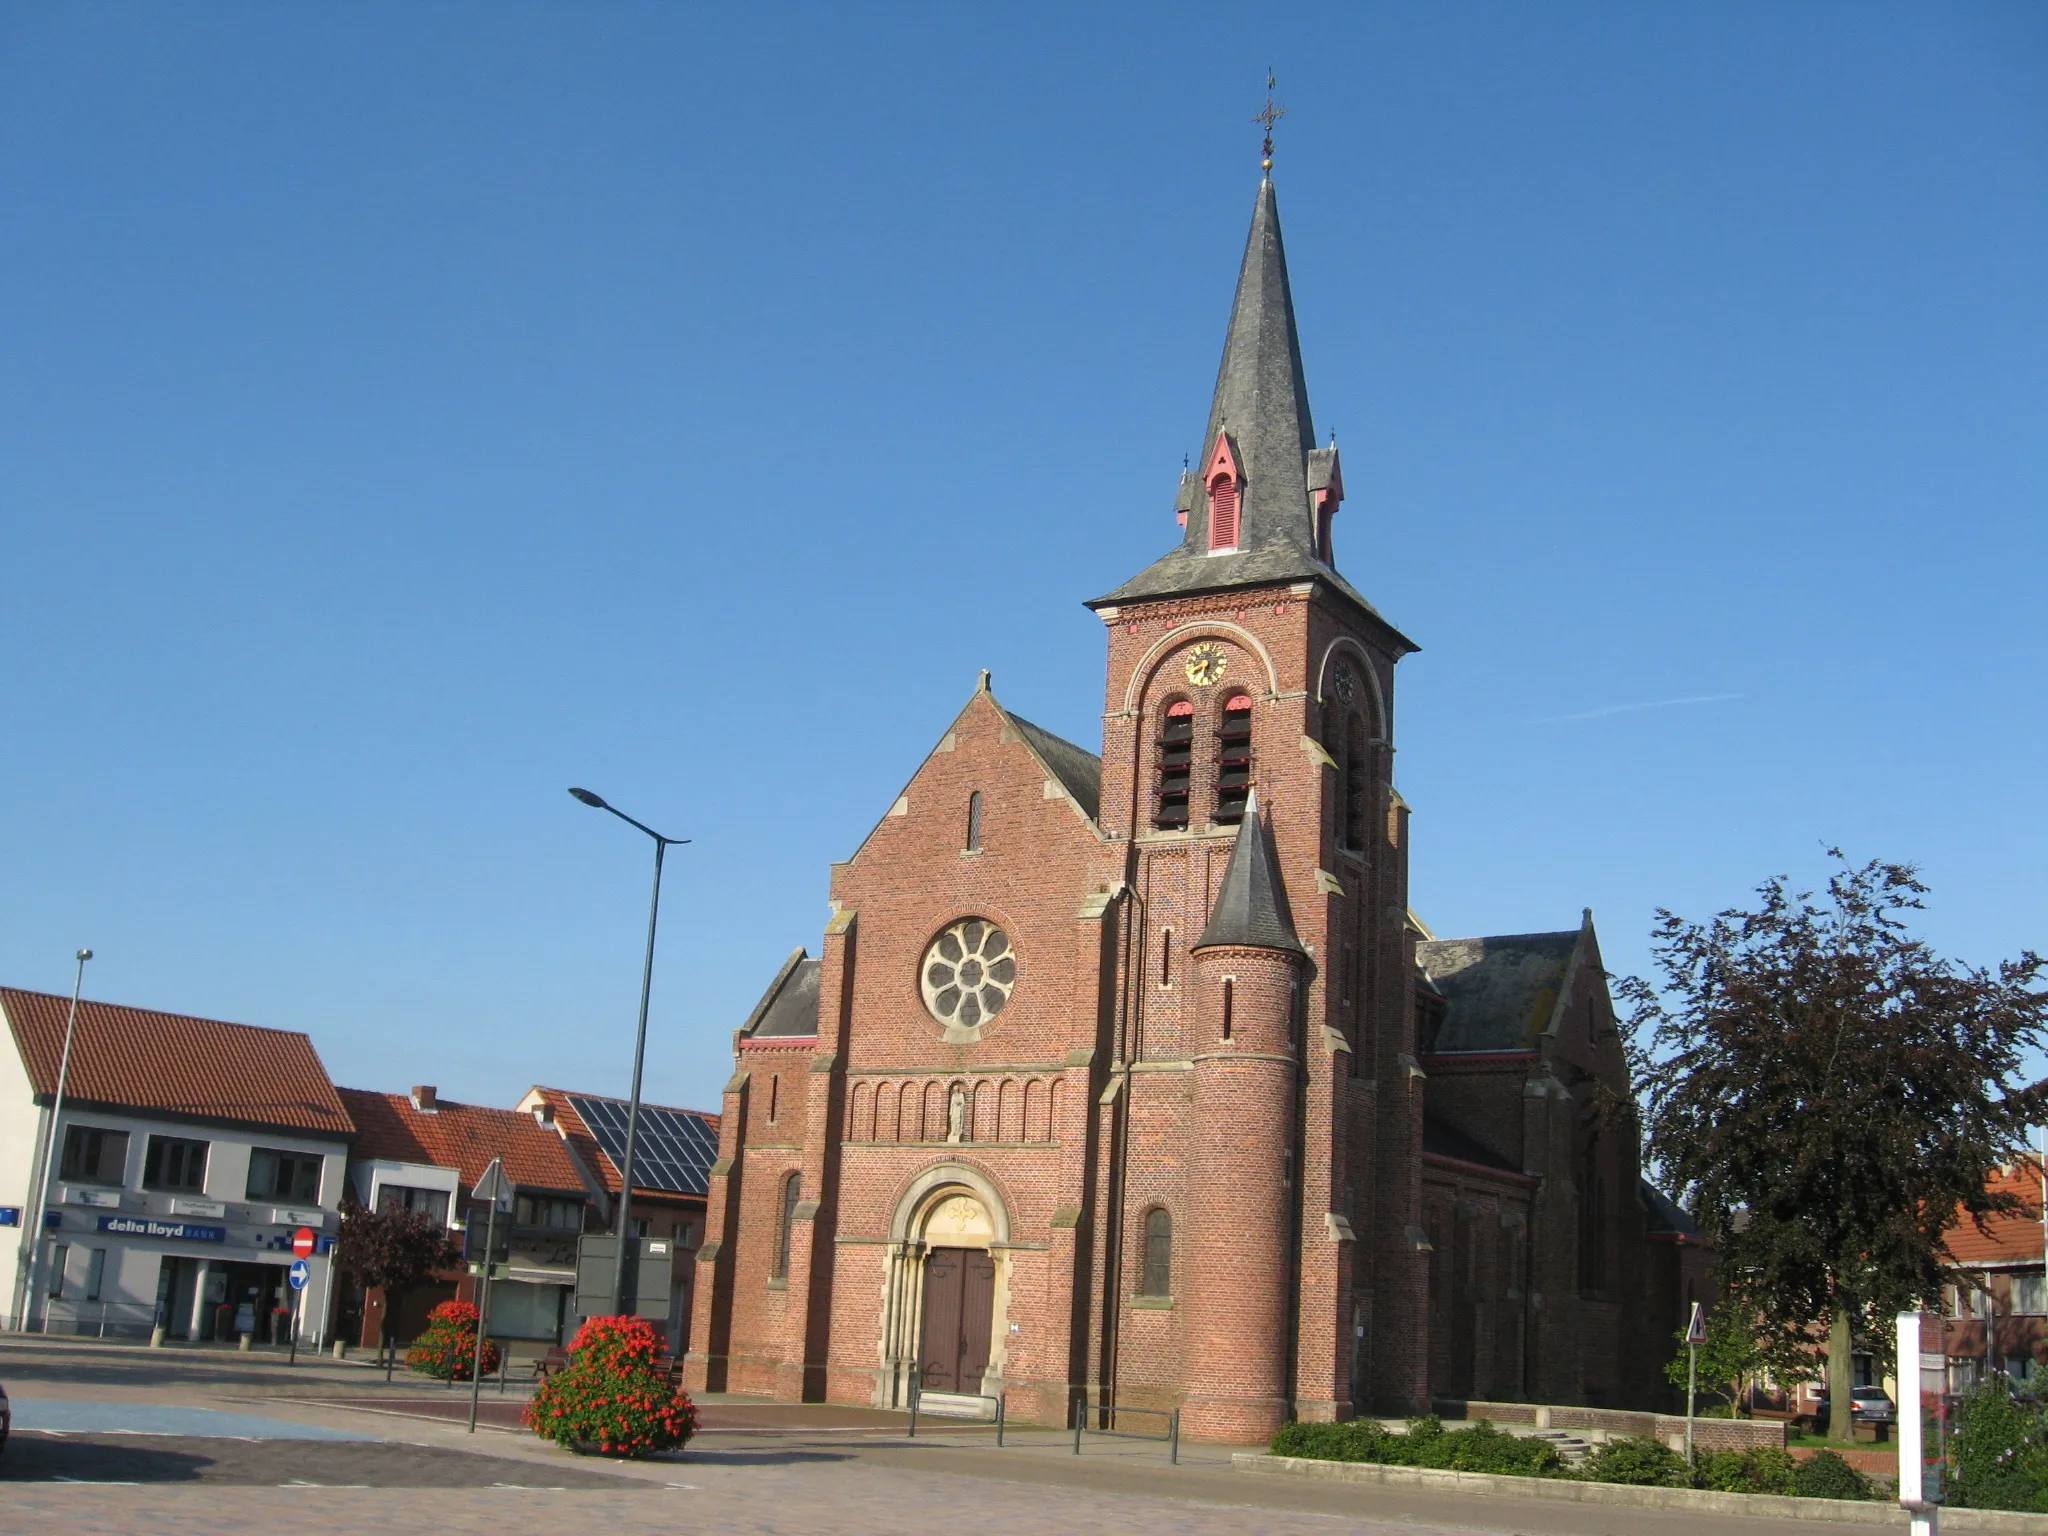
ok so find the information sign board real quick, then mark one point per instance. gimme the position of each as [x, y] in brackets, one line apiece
[299, 1274]
[149, 1226]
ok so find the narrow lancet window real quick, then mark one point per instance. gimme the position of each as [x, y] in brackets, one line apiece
[1156, 1278]
[792, 1194]
[1176, 765]
[974, 822]
[1234, 759]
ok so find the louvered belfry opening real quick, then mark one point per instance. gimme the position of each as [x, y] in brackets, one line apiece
[1176, 747]
[1234, 760]
[1223, 508]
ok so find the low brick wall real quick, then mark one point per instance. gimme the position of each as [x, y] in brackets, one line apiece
[1707, 1434]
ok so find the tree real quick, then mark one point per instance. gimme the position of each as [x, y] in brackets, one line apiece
[1829, 1094]
[396, 1250]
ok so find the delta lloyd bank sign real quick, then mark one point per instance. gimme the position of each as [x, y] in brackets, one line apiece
[143, 1226]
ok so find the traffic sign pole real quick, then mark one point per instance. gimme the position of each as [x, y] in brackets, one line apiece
[494, 1187]
[1695, 1335]
[298, 1274]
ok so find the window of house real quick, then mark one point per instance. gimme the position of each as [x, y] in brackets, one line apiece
[1176, 765]
[95, 1273]
[175, 1164]
[60, 1260]
[543, 1211]
[643, 1226]
[792, 1194]
[1157, 1276]
[279, 1175]
[2030, 1294]
[974, 822]
[686, 1234]
[407, 1197]
[94, 1155]
[1234, 759]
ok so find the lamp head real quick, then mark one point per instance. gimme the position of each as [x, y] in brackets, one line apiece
[84, 955]
[589, 799]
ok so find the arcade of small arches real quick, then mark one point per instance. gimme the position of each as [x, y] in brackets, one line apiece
[1007, 1110]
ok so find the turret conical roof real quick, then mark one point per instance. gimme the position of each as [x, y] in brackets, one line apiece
[1251, 906]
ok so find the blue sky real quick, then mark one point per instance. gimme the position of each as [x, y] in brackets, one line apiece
[407, 411]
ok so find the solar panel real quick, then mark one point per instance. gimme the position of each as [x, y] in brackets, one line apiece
[673, 1152]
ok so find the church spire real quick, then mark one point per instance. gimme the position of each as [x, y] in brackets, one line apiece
[1256, 503]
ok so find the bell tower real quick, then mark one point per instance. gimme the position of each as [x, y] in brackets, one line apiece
[1246, 671]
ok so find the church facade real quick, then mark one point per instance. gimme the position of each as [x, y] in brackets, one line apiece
[1132, 1078]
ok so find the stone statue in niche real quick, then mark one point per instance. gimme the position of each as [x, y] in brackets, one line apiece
[956, 1115]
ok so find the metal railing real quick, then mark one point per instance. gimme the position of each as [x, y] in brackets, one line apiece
[1001, 1400]
[1110, 1411]
[96, 1319]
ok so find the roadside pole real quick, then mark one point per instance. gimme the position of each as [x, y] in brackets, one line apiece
[1921, 1503]
[298, 1274]
[1695, 1336]
[495, 1188]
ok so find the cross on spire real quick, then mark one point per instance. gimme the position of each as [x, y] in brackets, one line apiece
[1266, 119]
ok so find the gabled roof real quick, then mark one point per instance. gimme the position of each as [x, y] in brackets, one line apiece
[789, 1008]
[672, 1152]
[1251, 904]
[1667, 1217]
[2014, 1239]
[1261, 407]
[1501, 990]
[1078, 770]
[1442, 1139]
[464, 1137]
[142, 1060]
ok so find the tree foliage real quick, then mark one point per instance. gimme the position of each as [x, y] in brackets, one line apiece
[396, 1250]
[1829, 1094]
[1741, 1349]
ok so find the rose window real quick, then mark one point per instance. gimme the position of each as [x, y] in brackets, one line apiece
[968, 973]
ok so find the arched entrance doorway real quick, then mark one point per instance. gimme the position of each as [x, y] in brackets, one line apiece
[958, 1325]
[946, 1299]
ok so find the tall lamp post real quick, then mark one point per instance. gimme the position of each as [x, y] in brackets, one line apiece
[661, 846]
[36, 1222]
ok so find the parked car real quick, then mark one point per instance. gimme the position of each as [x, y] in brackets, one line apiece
[1867, 1405]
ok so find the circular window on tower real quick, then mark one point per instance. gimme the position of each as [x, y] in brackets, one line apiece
[968, 973]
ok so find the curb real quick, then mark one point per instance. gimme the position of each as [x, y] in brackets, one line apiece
[1780, 1506]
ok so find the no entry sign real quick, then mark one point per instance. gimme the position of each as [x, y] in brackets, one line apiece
[302, 1242]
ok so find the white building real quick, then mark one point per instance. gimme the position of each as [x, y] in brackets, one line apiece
[188, 1155]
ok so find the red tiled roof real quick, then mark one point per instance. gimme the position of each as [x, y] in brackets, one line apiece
[2008, 1239]
[594, 1156]
[461, 1136]
[140, 1059]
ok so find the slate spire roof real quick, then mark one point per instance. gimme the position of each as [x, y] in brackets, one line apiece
[1251, 905]
[1261, 404]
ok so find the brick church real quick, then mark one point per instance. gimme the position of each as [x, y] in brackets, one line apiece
[1133, 1079]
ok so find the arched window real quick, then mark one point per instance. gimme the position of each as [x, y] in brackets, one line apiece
[1157, 1276]
[1176, 765]
[792, 1195]
[1229, 1005]
[1357, 782]
[974, 822]
[1234, 759]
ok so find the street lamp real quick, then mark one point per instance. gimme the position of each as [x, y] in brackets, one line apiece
[661, 846]
[37, 1224]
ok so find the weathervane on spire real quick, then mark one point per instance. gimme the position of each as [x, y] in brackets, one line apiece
[1267, 119]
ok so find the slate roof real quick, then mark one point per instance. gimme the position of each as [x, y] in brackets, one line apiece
[1261, 400]
[140, 1059]
[1442, 1139]
[1669, 1219]
[1501, 990]
[789, 1008]
[1251, 904]
[1078, 769]
[464, 1137]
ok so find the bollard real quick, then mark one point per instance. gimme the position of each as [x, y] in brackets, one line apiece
[915, 1394]
[246, 1343]
[341, 1349]
[1002, 1398]
[156, 1337]
[1080, 1411]
[1173, 1438]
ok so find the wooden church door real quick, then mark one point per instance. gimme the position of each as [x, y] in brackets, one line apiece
[959, 1311]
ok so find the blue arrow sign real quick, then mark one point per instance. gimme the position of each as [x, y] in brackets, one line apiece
[300, 1272]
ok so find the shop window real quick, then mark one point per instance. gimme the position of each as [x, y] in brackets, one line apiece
[60, 1260]
[1234, 760]
[278, 1175]
[406, 1197]
[175, 1165]
[1176, 748]
[95, 1273]
[1156, 1278]
[94, 1155]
